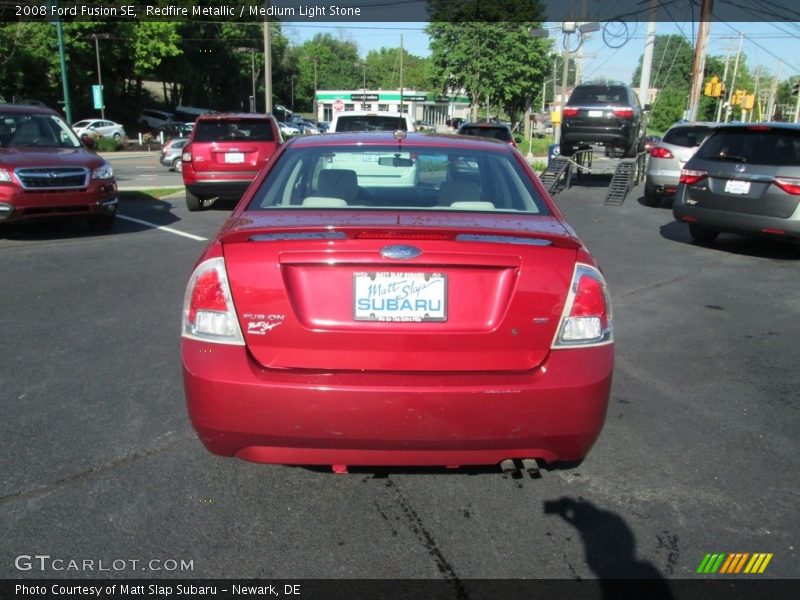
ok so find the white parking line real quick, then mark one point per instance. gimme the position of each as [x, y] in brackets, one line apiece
[164, 228]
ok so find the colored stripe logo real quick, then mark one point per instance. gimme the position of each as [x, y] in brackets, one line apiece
[734, 563]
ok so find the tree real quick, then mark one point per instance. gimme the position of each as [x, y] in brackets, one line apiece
[383, 70]
[487, 59]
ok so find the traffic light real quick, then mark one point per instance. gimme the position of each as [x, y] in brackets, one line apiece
[796, 88]
[713, 87]
[749, 101]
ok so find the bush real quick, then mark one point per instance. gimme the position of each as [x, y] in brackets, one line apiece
[104, 144]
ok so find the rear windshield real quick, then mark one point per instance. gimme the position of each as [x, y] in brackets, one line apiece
[35, 131]
[773, 147]
[385, 177]
[496, 133]
[689, 136]
[255, 130]
[370, 123]
[599, 94]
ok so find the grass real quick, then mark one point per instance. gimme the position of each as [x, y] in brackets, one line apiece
[539, 147]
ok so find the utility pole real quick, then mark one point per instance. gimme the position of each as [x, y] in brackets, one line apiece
[99, 73]
[647, 60]
[63, 61]
[699, 65]
[316, 116]
[721, 102]
[267, 63]
[562, 101]
[772, 92]
[729, 109]
[402, 105]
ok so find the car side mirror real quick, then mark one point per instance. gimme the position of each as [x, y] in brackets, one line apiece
[88, 141]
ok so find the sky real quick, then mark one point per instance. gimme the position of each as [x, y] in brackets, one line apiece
[765, 43]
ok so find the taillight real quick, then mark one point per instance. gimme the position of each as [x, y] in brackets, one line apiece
[571, 112]
[586, 319]
[186, 156]
[690, 177]
[208, 312]
[788, 185]
[625, 113]
[659, 152]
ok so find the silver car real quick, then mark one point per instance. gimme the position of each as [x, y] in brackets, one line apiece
[744, 179]
[171, 154]
[667, 158]
[106, 129]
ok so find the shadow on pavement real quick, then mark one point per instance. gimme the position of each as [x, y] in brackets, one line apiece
[734, 244]
[610, 548]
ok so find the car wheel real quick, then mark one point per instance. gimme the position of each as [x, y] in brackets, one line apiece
[650, 197]
[630, 151]
[566, 149]
[101, 222]
[704, 235]
[117, 137]
[193, 203]
[177, 165]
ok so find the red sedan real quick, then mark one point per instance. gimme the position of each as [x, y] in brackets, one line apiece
[397, 299]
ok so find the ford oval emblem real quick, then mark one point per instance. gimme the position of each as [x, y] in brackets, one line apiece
[400, 252]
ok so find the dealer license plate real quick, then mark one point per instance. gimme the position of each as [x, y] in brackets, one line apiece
[736, 186]
[234, 157]
[595, 113]
[403, 297]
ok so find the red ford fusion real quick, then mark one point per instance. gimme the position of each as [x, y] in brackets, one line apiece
[397, 299]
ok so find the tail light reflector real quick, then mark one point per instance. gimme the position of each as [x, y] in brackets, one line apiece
[571, 112]
[788, 185]
[659, 152]
[586, 319]
[690, 177]
[186, 155]
[208, 311]
[625, 113]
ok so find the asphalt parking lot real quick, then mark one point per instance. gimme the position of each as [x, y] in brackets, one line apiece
[699, 452]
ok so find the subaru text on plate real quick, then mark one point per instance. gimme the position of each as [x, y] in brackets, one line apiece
[337, 320]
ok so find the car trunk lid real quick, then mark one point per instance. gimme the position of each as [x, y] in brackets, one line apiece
[474, 298]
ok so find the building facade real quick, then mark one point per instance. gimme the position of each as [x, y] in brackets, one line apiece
[422, 106]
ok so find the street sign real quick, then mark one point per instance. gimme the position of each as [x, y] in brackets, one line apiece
[338, 105]
[97, 95]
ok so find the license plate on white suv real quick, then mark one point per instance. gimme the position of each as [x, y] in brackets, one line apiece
[403, 297]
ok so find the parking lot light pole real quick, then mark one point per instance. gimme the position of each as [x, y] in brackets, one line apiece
[96, 37]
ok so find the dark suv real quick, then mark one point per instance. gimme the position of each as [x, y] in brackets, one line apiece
[225, 153]
[604, 113]
[46, 171]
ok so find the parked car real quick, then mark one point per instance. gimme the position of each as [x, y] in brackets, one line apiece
[155, 119]
[225, 153]
[172, 154]
[458, 322]
[495, 131]
[744, 178]
[288, 130]
[425, 126]
[357, 120]
[107, 129]
[177, 129]
[667, 158]
[47, 171]
[602, 113]
[323, 126]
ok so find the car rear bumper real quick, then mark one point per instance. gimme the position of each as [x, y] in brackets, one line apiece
[735, 222]
[554, 413]
[219, 188]
[596, 135]
[98, 199]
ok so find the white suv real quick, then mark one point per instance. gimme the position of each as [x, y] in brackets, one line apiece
[362, 120]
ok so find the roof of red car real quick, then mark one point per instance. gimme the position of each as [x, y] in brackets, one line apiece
[416, 139]
[26, 108]
[212, 116]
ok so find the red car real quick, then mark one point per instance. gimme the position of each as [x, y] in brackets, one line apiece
[225, 153]
[46, 171]
[451, 319]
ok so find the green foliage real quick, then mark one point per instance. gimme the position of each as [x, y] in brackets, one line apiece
[667, 108]
[107, 145]
[495, 61]
[673, 56]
